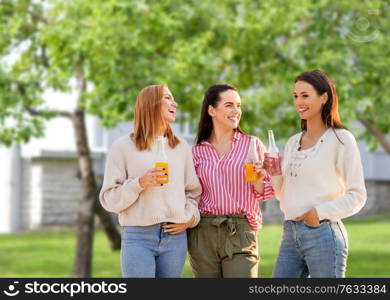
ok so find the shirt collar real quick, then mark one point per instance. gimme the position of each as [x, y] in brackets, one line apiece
[236, 137]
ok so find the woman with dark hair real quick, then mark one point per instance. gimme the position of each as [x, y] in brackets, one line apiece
[321, 183]
[224, 244]
[154, 213]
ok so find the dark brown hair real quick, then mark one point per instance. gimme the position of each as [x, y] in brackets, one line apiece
[323, 84]
[211, 97]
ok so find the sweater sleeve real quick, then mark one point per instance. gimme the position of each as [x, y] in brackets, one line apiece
[268, 192]
[118, 191]
[193, 188]
[350, 170]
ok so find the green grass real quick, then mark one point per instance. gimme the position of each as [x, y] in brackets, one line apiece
[50, 253]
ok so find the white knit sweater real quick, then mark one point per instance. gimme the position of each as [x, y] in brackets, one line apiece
[327, 176]
[174, 202]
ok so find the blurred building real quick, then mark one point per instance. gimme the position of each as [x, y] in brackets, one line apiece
[40, 186]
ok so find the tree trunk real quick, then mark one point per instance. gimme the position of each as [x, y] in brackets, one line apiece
[376, 132]
[88, 206]
[109, 227]
[106, 221]
[85, 220]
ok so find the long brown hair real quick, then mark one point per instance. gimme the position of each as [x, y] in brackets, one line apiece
[323, 84]
[148, 118]
[211, 97]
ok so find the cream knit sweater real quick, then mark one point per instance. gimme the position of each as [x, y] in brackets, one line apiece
[327, 176]
[121, 193]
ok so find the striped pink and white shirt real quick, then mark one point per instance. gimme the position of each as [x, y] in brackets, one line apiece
[224, 189]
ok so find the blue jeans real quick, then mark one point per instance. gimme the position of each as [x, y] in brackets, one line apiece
[147, 251]
[315, 251]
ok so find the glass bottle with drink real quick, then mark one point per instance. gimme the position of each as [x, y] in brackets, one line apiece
[250, 173]
[162, 161]
[273, 154]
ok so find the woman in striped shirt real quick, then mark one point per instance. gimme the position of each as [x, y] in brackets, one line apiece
[224, 244]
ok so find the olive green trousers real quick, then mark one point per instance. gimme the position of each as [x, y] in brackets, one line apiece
[222, 247]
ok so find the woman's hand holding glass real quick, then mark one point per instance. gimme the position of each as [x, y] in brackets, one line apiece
[150, 178]
[259, 169]
[270, 164]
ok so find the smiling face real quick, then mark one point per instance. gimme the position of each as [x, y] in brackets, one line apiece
[227, 113]
[168, 107]
[307, 101]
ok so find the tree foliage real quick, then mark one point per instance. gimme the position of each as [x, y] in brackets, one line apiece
[258, 46]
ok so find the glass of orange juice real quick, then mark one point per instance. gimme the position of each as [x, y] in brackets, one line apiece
[162, 178]
[250, 174]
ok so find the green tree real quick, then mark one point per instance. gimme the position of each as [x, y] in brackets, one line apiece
[106, 51]
[346, 39]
